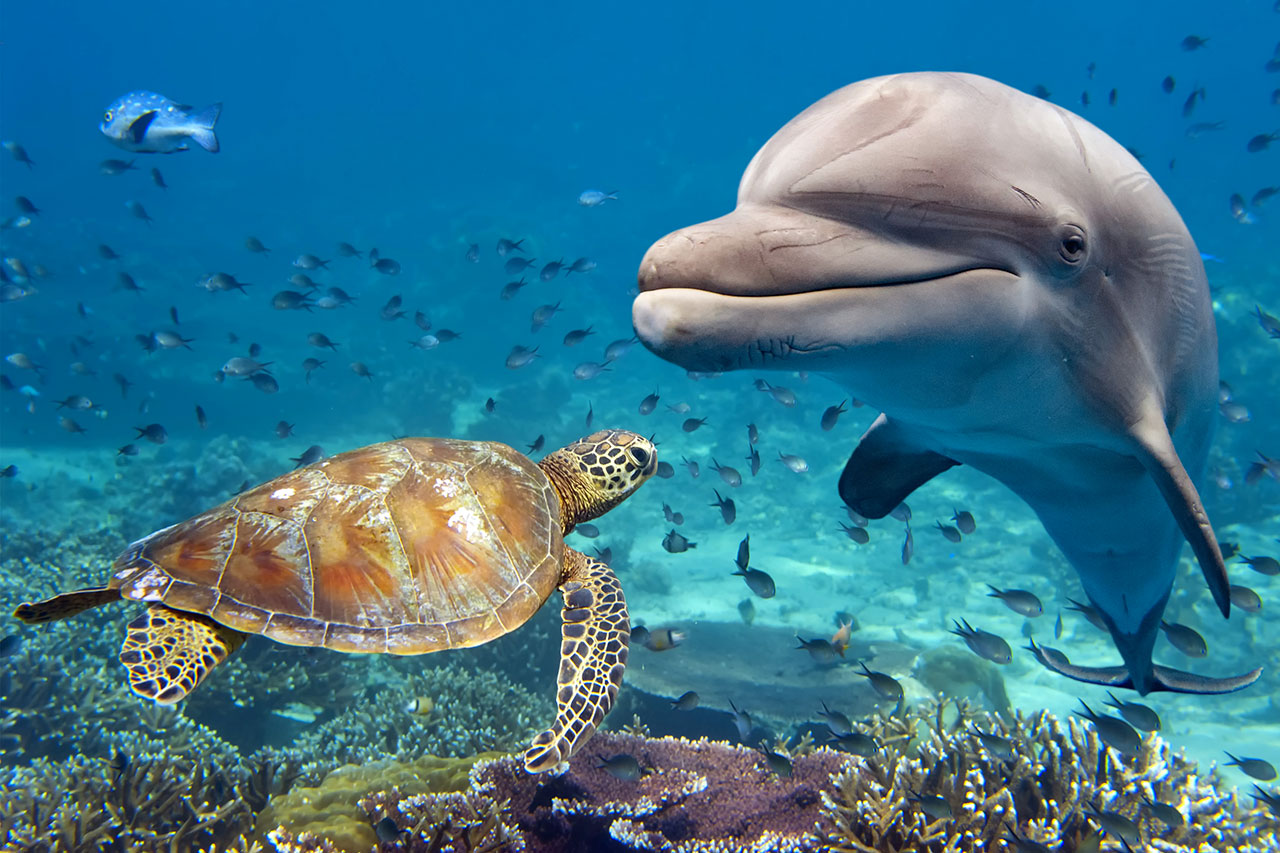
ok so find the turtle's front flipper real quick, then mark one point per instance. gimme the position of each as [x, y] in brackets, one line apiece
[65, 605]
[168, 652]
[593, 656]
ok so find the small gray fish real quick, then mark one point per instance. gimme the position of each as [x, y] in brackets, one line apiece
[506, 247]
[901, 512]
[837, 723]
[686, 701]
[743, 559]
[779, 764]
[747, 611]
[1185, 639]
[520, 356]
[692, 424]
[784, 396]
[680, 408]
[116, 167]
[674, 543]
[1246, 599]
[935, 807]
[284, 429]
[1137, 715]
[158, 179]
[581, 265]
[550, 270]
[19, 153]
[387, 266]
[665, 471]
[984, 644]
[359, 368]
[577, 336]
[264, 382]
[742, 720]
[1116, 824]
[11, 644]
[538, 443]
[1113, 731]
[691, 465]
[154, 433]
[1018, 600]
[149, 123]
[253, 244]
[855, 743]
[908, 545]
[386, 830]
[321, 340]
[201, 418]
[589, 370]
[1089, 612]
[587, 529]
[832, 414]
[127, 450]
[671, 515]
[858, 534]
[761, 583]
[753, 460]
[1261, 142]
[728, 510]
[964, 521]
[622, 766]
[795, 464]
[25, 205]
[753, 434]
[729, 475]
[595, 198]
[517, 266]
[663, 639]
[511, 289]
[649, 403]
[886, 685]
[617, 349]
[347, 250]
[1163, 812]
[310, 456]
[311, 364]
[1057, 627]
[604, 555]
[107, 253]
[1263, 565]
[819, 649]
[138, 211]
[1000, 747]
[473, 253]
[951, 534]
[291, 300]
[309, 262]
[1255, 768]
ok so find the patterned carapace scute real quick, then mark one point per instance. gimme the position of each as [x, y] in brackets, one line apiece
[407, 547]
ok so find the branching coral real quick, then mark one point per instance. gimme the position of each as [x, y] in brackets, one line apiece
[1058, 776]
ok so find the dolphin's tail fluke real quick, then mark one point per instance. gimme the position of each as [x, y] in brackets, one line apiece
[1161, 678]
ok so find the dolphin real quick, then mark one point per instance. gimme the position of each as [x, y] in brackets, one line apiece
[1011, 290]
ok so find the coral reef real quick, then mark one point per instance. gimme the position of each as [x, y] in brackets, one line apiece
[1051, 788]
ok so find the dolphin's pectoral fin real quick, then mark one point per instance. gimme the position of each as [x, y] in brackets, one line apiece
[1162, 678]
[1162, 463]
[885, 468]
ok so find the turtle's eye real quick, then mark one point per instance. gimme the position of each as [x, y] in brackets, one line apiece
[640, 456]
[107, 115]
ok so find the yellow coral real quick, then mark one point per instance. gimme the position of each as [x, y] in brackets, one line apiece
[331, 812]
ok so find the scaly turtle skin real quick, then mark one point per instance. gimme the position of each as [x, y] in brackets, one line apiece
[405, 547]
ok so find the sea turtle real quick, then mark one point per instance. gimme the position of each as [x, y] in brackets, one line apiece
[406, 547]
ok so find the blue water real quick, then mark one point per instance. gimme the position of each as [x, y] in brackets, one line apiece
[422, 129]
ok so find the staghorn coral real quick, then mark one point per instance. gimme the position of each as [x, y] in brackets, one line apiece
[1059, 773]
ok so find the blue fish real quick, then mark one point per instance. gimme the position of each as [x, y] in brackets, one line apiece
[152, 124]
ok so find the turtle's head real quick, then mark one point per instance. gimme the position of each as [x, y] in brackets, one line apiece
[596, 473]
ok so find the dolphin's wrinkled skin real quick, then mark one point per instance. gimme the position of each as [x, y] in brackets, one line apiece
[1012, 290]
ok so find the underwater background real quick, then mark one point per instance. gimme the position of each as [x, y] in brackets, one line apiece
[425, 130]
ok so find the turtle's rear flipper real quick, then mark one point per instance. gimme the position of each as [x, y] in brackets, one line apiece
[168, 652]
[593, 655]
[1163, 678]
[65, 605]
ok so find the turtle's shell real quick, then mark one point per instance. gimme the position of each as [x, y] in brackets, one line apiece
[407, 547]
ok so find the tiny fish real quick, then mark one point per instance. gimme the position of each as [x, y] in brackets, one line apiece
[747, 611]
[831, 415]
[589, 370]
[622, 766]
[951, 534]
[671, 515]
[10, 644]
[729, 475]
[742, 720]
[691, 465]
[1000, 747]
[67, 424]
[587, 529]
[753, 460]
[8, 472]
[686, 701]
[309, 365]
[908, 546]
[665, 471]
[107, 253]
[1167, 85]
[1246, 599]
[581, 266]
[577, 336]
[617, 349]
[473, 253]
[595, 198]
[347, 250]
[517, 266]
[311, 455]
[783, 396]
[18, 152]
[674, 543]
[1057, 627]
[964, 521]
[127, 450]
[984, 644]
[550, 270]
[506, 247]
[820, 649]
[1113, 731]
[1189, 106]
[201, 419]
[1116, 824]
[1164, 812]
[1261, 142]
[158, 179]
[1239, 212]
[1194, 42]
[1089, 612]
[837, 723]
[858, 534]
[538, 443]
[116, 167]
[886, 685]
[284, 429]
[264, 382]
[386, 266]
[1185, 639]
[386, 830]
[779, 764]
[1255, 768]
[663, 639]
[753, 434]
[761, 583]
[359, 368]
[692, 424]
[520, 356]
[1262, 195]
[155, 433]
[680, 408]
[1137, 715]
[253, 244]
[150, 123]
[743, 559]
[935, 807]
[649, 403]
[309, 262]
[855, 743]
[795, 464]
[511, 289]
[844, 630]
[138, 211]
[1018, 600]
[423, 705]
[1263, 565]
[728, 510]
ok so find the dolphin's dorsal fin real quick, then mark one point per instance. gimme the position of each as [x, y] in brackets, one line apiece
[885, 468]
[1161, 460]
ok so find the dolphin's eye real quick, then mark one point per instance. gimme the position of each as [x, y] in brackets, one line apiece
[1072, 245]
